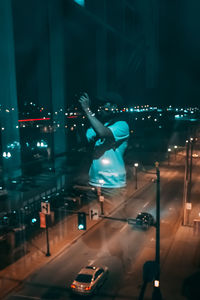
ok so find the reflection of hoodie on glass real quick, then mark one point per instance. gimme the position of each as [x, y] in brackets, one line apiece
[107, 168]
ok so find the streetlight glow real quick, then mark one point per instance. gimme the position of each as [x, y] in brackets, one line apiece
[156, 283]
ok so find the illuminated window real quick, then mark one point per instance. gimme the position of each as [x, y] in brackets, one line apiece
[80, 2]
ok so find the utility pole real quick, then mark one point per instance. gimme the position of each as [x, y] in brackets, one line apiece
[47, 235]
[158, 217]
[168, 156]
[156, 295]
[45, 207]
[151, 269]
[190, 171]
[185, 191]
[136, 167]
[175, 149]
[101, 199]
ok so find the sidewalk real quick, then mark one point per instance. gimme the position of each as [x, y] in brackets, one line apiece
[182, 261]
[61, 236]
[184, 254]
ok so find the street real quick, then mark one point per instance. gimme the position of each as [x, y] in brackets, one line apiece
[116, 244]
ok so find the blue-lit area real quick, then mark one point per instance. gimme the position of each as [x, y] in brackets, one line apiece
[80, 2]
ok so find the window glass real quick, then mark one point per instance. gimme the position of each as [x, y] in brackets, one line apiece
[98, 273]
[80, 2]
[84, 278]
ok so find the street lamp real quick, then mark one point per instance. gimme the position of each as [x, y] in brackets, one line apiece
[169, 150]
[101, 197]
[175, 149]
[156, 290]
[135, 168]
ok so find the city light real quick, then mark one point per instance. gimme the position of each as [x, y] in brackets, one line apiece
[156, 283]
[7, 155]
[42, 144]
[33, 120]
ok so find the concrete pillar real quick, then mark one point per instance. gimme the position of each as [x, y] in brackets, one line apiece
[150, 14]
[101, 41]
[120, 44]
[8, 95]
[57, 67]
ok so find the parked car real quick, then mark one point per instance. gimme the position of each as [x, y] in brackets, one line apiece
[144, 220]
[89, 279]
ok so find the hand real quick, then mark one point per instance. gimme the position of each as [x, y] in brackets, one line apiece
[85, 102]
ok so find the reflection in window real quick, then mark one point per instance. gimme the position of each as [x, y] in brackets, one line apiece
[80, 2]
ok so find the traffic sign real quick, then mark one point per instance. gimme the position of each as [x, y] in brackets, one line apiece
[188, 205]
[45, 208]
[101, 198]
[94, 214]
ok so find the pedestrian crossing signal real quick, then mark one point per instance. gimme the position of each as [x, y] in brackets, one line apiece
[82, 221]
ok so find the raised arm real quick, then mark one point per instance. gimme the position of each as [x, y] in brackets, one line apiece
[101, 130]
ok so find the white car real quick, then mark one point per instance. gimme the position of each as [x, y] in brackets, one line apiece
[89, 279]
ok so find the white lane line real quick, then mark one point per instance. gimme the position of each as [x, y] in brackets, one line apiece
[26, 297]
[146, 204]
[123, 227]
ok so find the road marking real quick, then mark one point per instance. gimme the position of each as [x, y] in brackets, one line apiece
[123, 227]
[146, 204]
[25, 297]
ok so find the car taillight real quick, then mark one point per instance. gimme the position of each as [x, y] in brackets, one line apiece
[73, 286]
[87, 288]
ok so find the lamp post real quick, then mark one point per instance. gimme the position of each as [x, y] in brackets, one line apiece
[45, 207]
[101, 197]
[169, 150]
[175, 149]
[156, 290]
[185, 190]
[135, 168]
[47, 235]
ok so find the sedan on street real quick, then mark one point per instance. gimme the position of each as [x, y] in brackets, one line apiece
[89, 279]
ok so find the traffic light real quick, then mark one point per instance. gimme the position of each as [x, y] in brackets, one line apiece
[33, 220]
[82, 221]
